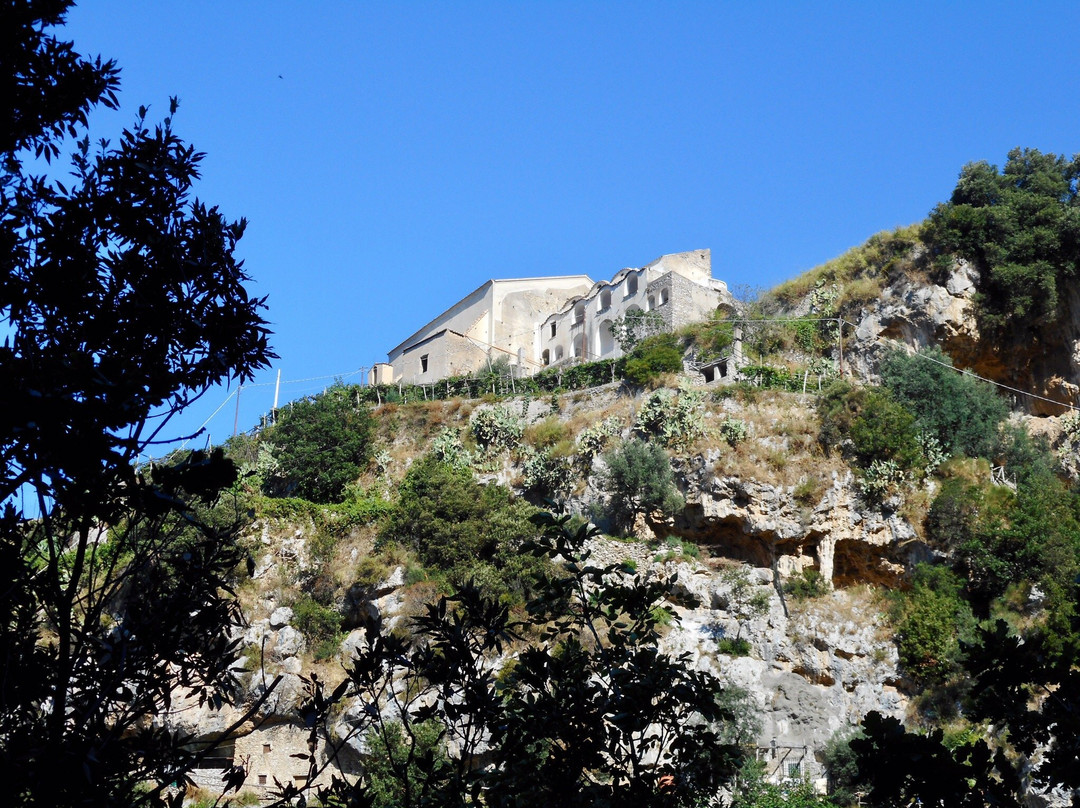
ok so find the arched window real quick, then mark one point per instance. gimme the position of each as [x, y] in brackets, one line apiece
[631, 285]
[606, 338]
[650, 303]
[663, 296]
[579, 314]
[578, 351]
[546, 356]
[605, 299]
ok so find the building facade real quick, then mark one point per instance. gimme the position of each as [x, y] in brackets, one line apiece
[678, 288]
[496, 320]
[535, 322]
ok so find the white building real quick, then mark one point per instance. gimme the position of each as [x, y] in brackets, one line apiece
[535, 322]
[679, 288]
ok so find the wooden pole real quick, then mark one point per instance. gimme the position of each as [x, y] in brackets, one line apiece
[840, 337]
[277, 390]
[236, 418]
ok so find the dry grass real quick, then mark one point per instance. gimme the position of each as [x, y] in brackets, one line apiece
[782, 446]
[860, 273]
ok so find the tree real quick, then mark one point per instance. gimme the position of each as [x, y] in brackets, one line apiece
[639, 479]
[589, 712]
[121, 303]
[1020, 227]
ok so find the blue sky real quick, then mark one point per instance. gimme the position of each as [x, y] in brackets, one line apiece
[391, 157]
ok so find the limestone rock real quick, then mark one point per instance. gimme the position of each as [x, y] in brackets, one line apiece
[289, 643]
[281, 616]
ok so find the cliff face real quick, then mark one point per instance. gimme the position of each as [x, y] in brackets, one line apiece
[1044, 360]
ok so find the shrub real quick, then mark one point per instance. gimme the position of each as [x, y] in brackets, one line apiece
[497, 428]
[930, 621]
[639, 478]
[652, 358]
[734, 646]
[454, 523]
[323, 443]
[870, 425]
[808, 490]
[810, 583]
[676, 419]
[885, 432]
[733, 430]
[842, 766]
[963, 413]
[711, 338]
[320, 625]
[675, 548]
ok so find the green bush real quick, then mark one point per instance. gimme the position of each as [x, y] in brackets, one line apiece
[962, 412]
[652, 358]
[454, 523]
[677, 419]
[733, 430]
[639, 479]
[930, 621]
[320, 625]
[885, 431]
[734, 646]
[712, 338]
[873, 427]
[323, 443]
[808, 584]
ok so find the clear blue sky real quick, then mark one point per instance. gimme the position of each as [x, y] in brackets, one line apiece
[391, 157]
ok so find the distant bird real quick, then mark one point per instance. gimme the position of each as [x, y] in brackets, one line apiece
[280, 76]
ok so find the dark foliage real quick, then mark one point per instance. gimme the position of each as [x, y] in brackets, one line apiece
[121, 302]
[962, 412]
[1020, 226]
[574, 721]
[1030, 696]
[321, 445]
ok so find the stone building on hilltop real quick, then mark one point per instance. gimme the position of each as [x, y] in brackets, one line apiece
[535, 322]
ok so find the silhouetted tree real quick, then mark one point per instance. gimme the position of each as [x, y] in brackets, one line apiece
[590, 711]
[121, 301]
